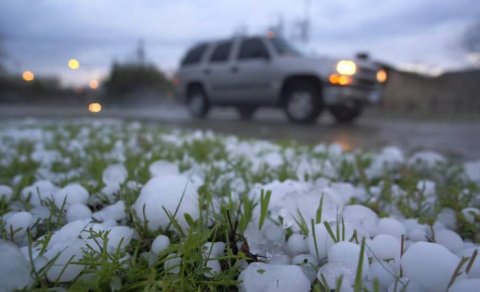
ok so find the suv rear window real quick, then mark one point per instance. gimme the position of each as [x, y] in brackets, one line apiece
[194, 55]
[221, 52]
[252, 49]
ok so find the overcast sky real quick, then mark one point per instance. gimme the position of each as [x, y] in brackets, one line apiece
[41, 35]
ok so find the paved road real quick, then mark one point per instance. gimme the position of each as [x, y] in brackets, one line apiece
[458, 140]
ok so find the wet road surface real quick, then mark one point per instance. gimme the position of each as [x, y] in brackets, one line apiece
[459, 140]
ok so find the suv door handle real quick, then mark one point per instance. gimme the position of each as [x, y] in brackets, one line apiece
[207, 71]
[234, 69]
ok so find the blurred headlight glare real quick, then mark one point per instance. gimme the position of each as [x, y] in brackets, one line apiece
[346, 67]
[381, 75]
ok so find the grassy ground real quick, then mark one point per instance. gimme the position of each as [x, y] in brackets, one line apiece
[80, 151]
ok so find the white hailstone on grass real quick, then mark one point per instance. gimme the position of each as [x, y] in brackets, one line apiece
[470, 213]
[172, 263]
[348, 254]
[279, 259]
[71, 194]
[273, 159]
[159, 244]
[448, 217]
[274, 232]
[68, 233]
[114, 212]
[308, 264]
[415, 230]
[213, 267]
[119, 237]
[260, 277]
[114, 174]
[392, 154]
[345, 190]
[320, 243]
[162, 167]
[213, 249]
[14, 270]
[39, 191]
[475, 268]
[391, 226]
[40, 212]
[78, 212]
[5, 193]
[425, 159]
[330, 272]
[388, 159]
[384, 246]
[18, 224]
[297, 244]
[427, 187]
[383, 272]
[449, 239]
[472, 171]
[64, 268]
[465, 285]
[430, 264]
[362, 219]
[172, 193]
[405, 284]
[418, 235]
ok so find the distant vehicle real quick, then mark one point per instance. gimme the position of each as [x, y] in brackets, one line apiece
[252, 72]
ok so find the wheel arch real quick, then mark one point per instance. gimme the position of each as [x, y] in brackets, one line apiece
[292, 79]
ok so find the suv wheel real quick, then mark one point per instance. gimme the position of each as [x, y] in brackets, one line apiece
[246, 112]
[345, 114]
[302, 102]
[197, 102]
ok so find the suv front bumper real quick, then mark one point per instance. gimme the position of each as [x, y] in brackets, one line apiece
[333, 95]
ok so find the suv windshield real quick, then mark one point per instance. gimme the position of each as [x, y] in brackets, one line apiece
[283, 48]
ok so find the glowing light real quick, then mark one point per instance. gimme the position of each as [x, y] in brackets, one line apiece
[270, 34]
[344, 80]
[28, 76]
[333, 78]
[95, 107]
[93, 84]
[73, 64]
[381, 75]
[346, 67]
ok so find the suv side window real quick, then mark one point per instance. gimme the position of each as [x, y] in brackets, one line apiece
[252, 48]
[194, 55]
[221, 52]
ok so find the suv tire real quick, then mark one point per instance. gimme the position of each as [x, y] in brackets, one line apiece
[197, 102]
[302, 102]
[345, 114]
[246, 112]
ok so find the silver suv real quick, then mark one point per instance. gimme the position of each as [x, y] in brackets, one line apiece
[252, 72]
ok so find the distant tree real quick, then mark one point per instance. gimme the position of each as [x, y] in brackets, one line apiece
[2, 56]
[472, 38]
[134, 80]
[471, 42]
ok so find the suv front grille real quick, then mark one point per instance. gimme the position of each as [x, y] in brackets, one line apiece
[365, 78]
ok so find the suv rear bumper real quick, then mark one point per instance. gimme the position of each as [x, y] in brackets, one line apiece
[333, 95]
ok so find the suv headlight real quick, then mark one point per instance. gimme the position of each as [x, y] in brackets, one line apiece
[346, 67]
[381, 76]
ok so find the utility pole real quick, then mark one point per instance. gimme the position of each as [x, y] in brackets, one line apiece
[305, 28]
[301, 30]
[141, 52]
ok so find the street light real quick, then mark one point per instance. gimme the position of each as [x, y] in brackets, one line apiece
[73, 64]
[28, 76]
[94, 107]
[93, 84]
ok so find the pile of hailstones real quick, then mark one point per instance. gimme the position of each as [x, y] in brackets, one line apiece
[289, 265]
